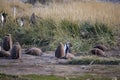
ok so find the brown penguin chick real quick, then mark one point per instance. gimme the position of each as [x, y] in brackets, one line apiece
[33, 18]
[59, 53]
[101, 47]
[16, 51]
[98, 52]
[4, 53]
[7, 42]
[34, 51]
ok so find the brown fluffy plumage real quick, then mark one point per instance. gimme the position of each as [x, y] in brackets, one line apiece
[101, 47]
[59, 53]
[34, 51]
[4, 53]
[16, 51]
[98, 52]
[7, 42]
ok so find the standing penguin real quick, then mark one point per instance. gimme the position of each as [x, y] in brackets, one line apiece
[33, 18]
[59, 53]
[16, 51]
[7, 42]
[20, 21]
[67, 48]
[3, 18]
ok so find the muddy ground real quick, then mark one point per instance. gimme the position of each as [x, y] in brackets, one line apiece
[47, 64]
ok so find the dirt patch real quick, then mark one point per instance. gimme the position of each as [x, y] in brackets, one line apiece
[47, 64]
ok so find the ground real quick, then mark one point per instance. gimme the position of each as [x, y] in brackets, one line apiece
[47, 64]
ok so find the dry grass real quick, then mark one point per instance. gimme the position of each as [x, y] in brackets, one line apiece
[74, 11]
[82, 11]
[7, 6]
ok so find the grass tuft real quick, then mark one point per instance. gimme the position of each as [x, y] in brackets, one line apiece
[96, 60]
[51, 77]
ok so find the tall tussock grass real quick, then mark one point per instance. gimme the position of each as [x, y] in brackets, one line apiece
[81, 23]
[47, 33]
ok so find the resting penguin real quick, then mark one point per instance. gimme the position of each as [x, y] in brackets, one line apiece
[16, 51]
[59, 53]
[4, 53]
[101, 47]
[96, 51]
[34, 51]
[7, 43]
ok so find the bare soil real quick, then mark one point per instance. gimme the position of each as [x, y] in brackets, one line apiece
[47, 64]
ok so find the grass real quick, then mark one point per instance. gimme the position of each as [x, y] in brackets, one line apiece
[84, 24]
[10, 77]
[51, 77]
[43, 77]
[46, 33]
[7, 6]
[86, 60]
[82, 11]
[73, 11]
